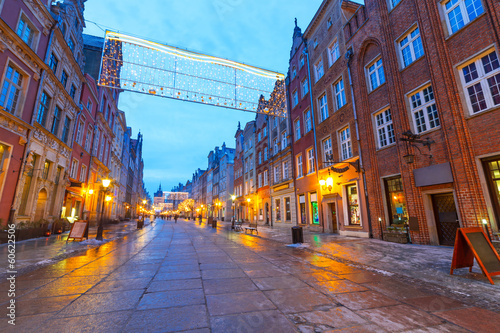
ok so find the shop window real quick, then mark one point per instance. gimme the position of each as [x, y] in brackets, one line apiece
[492, 172]
[396, 201]
[314, 208]
[278, 209]
[353, 210]
[302, 204]
[288, 211]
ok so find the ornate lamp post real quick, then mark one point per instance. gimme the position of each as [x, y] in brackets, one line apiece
[233, 197]
[105, 185]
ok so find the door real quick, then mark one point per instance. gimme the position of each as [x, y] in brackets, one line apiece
[445, 214]
[267, 213]
[333, 214]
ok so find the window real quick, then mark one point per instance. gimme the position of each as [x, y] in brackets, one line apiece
[461, 12]
[65, 134]
[56, 121]
[308, 120]
[339, 94]
[64, 78]
[481, 80]
[11, 89]
[71, 44]
[345, 144]
[299, 166]
[246, 188]
[294, 72]
[396, 201]
[63, 29]
[310, 161]
[301, 61]
[74, 168]
[353, 210]
[264, 132]
[25, 31]
[53, 61]
[410, 47]
[315, 43]
[288, 212]
[46, 169]
[259, 180]
[88, 140]
[376, 74]
[329, 23]
[333, 52]
[384, 128]
[296, 127]
[5, 153]
[89, 105]
[101, 149]
[83, 173]
[276, 148]
[305, 87]
[393, 3]
[260, 157]
[79, 132]
[265, 154]
[323, 108]
[265, 178]
[278, 209]
[295, 98]
[43, 109]
[259, 137]
[284, 141]
[424, 110]
[327, 151]
[72, 91]
[318, 69]
[285, 170]
[276, 174]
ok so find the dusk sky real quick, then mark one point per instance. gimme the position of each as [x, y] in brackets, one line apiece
[179, 135]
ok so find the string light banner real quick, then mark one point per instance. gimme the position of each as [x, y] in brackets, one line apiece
[138, 65]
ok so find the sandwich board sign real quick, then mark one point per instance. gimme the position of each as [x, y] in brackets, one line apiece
[78, 229]
[473, 243]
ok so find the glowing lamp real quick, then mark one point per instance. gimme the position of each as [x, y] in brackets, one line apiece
[322, 182]
[91, 191]
[106, 182]
[109, 198]
[233, 197]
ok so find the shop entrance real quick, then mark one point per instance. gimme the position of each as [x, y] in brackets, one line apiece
[333, 213]
[446, 217]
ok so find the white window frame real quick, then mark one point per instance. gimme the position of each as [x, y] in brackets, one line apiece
[460, 5]
[301, 61]
[88, 139]
[285, 170]
[83, 171]
[259, 180]
[294, 72]
[79, 132]
[375, 73]
[284, 140]
[276, 174]
[333, 52]
[305, 87]
[326, 146]
[410, 44]
[307, 121]
[481, 80]
[74, 168]
[319, 71]
[339, 93]
[392, 4]
[424, 111]
[266, 178]
[384, 128]
[34, 32]
[276, 147]
[345, 143]
[323, 107]
[20, 93]
[311, 168]
[296, 127]
[300, 168]
[295, 98]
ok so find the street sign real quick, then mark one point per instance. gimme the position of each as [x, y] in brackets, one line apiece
[78, 229]
[473, 243]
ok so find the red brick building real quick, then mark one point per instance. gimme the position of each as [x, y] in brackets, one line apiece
[426, 74]
[262, 165]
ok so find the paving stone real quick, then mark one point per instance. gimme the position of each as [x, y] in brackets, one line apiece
[174, 285]
[396, 289]
[264, 321]
[103, 322]
[222, 265]
[300, 300]
[445, 328]
[434, 303]
[224, 304]
[260, 273]
[336, 317]
[177, 268]
[474, 319]
[109, 285]
[177, 275]
[226, 286]
[318, 276]
[26, 324]
[363, 277]
[103, 302]
[364, 300]
[400, 317]
[279, 282]
[55, 290]
[222, 273]
[31, 306]
[338, 286]
[171, 298]
[168, 320]
[358, 329]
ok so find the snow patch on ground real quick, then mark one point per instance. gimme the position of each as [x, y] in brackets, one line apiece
[299, 245]
[386, 273]
[93, 241]
[47, 261]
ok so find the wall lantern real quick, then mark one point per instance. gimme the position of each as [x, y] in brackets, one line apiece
[410, 140]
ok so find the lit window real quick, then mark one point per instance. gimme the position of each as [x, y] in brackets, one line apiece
[461, 12]
[11, 89]
[424, 110]
[340, 99]
[345, 144]
[265, 178]
[46, 169]
[410, 47]
[323, 108]
[481, 81]
[384, 128]
[376, 74]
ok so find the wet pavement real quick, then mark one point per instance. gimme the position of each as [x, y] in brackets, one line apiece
[187, 277]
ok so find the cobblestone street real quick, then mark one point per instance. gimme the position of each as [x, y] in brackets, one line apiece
[189, 277]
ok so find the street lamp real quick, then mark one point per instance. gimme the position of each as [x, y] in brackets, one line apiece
[105, 184]
[233, 197]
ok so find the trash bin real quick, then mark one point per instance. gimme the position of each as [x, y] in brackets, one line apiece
[297, 235]
[140, 223]
[214, 223]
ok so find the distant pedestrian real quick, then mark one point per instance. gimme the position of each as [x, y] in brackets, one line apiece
[176, 217]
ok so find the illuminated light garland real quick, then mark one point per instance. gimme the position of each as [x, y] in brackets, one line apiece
[137, 65]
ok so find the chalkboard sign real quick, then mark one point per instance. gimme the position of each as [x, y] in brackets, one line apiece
[473, 243]
[78, 229]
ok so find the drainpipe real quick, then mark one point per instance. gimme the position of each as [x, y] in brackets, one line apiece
[349, 54]
[290, 130]
[320, 207]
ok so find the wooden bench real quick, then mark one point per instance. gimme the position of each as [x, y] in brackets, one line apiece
[238, 225]
[252, 227]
